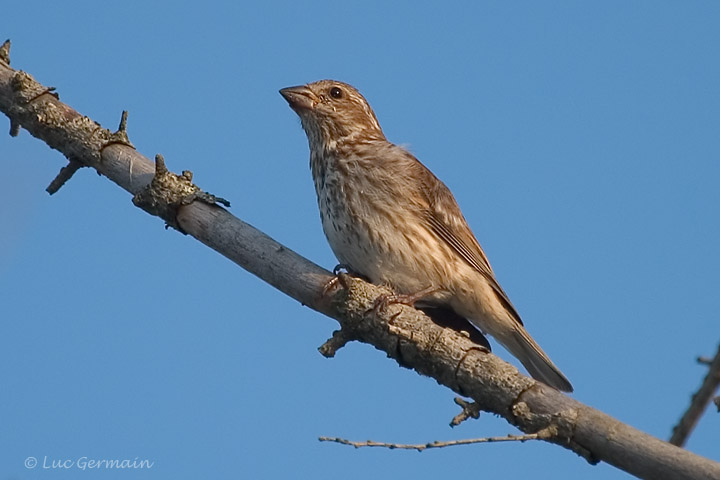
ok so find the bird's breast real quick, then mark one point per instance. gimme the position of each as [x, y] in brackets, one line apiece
[369, 229]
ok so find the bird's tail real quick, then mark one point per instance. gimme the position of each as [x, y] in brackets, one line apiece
[537, 363]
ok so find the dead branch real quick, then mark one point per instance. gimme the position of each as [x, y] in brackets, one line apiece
[699, 403]
[425, 446]
[469, 410]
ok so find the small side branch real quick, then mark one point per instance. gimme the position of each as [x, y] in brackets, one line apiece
[339, 339]
[424, 446]
[63, 176]
[699, 403]
[167, 192]
[469, 410]
[5, 52]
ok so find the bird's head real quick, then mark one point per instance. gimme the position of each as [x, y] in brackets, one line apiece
[332, 112]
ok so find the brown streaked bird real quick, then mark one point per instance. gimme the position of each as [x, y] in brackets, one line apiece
[388, 218]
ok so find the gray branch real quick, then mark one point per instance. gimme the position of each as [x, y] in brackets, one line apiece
[699, 403]
[403, 333]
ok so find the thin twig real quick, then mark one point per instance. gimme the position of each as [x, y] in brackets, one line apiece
[424, 446]
[699, 403]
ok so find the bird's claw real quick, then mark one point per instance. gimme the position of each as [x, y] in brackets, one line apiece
[385, 300]
[331, 285]
[340, 279]
[342, 273]
[340, 268]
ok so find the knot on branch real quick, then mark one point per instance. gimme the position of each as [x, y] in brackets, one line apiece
[360, 297]
[350, 298]
[5, 52]
[27, 89]
[556, 428]
[120, 137]
[168, 192]
[75, 163]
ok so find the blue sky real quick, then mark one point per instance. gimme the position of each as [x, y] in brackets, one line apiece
[580, 140]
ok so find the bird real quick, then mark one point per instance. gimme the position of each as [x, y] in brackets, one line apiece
[388, 218]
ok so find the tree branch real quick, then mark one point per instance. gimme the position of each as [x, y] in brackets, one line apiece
[403, 333]
[425, 446]
[699, 403]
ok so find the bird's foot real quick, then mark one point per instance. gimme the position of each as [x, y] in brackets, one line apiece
[339, 268]
[340, 279]
[384, 301]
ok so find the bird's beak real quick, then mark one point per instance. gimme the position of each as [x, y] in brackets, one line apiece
[300, 97]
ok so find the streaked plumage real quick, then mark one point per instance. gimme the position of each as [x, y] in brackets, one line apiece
[387, 217]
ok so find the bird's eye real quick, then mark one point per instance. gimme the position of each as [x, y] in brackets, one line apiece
[335, 92]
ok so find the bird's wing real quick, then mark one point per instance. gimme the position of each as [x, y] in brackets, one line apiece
[445, 219]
